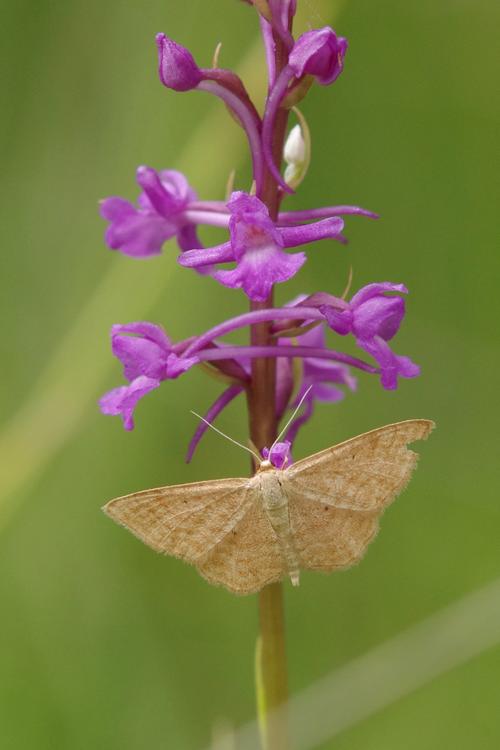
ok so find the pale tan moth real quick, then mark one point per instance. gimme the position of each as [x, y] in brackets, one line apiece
[320, 513]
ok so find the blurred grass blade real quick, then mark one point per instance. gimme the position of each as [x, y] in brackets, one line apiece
[391, 671]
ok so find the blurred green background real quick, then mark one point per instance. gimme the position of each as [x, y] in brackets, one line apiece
[103, 643]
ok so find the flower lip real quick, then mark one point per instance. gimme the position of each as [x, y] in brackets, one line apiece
[123, 400]
[391, 365]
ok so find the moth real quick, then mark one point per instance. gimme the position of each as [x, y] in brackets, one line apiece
[320, 513]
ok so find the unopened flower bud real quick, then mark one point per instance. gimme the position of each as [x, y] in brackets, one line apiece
[319, 53]
[297, 152]
[176, 65]
[295, 149]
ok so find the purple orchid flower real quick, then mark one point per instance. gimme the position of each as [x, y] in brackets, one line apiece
[257, 246]
[374, 319]
[145, 349]
[278, 454]
[318, 53]
[161, 214]
[148, 358]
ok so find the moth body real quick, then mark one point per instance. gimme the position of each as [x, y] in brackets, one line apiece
[275, 503]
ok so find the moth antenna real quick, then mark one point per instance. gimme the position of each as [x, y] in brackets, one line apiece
[231, 440]
[256, 451]
[252, 445]
[285, 428]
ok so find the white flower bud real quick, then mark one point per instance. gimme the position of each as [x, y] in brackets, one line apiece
[297, 151]
[294, 151]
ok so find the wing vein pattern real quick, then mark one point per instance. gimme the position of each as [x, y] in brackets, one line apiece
[337, 496]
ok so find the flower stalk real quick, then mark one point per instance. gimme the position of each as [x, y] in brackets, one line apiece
[271, 669]
[271, 665]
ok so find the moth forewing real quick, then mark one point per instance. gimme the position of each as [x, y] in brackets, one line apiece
[184, 520]
[337, 496]
[364, 473]
[219, 526]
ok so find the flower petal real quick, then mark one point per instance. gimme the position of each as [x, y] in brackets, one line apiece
[391, 365]
[144, 328]
[320, 230]
[206, 256]
[175, 365]
[164, 203]
[143, 354]
[278, 455]
[187, 238]
[115, 209]
[376, 289]
[339, 321]
[177, 185]
[250, 225]
[123, 400]
[378, 316]
[139, 235]
[260, 269]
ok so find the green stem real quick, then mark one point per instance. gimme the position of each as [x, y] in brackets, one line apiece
[271, 671]
[270, 666]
